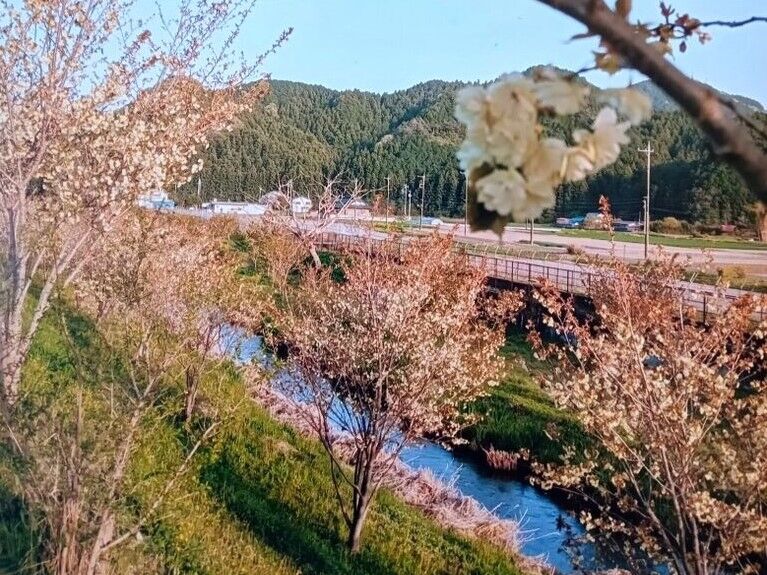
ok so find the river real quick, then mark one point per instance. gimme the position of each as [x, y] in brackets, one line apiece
[546, 526]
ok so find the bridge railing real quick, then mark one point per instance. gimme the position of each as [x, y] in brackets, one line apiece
[574, 280]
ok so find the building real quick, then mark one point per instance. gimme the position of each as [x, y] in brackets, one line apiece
[157, 200]
[274, 201]
[357, 209]
[222, 207]
[301, 205]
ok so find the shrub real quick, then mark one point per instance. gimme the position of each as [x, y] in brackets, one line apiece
[667, 225]
[729, 274]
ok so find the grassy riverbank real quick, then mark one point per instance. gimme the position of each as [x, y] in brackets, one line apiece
[519, 415]
[257, 500]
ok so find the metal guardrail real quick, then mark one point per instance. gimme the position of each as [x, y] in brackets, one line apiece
[577, 281]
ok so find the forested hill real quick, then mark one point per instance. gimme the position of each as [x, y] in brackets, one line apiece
[304, 132]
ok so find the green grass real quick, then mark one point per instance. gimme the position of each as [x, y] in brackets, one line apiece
[671, 241]
[753, 284]
[519, 415]
[258, 500]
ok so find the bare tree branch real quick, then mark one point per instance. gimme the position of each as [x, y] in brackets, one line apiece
[735, 24]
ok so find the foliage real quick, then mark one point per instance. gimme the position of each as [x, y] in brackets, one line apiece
[679, 409]
[391, 353]
[518, 416]
[149, 337]
[258, 499]
[95, 113]
[304, 134]
[513, 163]
[667, 225]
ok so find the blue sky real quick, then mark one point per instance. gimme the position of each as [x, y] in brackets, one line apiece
[386, 45]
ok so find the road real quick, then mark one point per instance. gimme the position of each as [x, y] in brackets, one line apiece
[753, 262]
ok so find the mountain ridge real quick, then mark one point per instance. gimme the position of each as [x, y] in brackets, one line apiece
[304, 133]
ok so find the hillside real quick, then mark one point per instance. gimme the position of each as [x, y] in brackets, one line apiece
[662, 102]
[257, 501]
[305, 132]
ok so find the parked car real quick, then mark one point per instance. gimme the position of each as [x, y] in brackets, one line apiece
[625, 226]
[594, 221]
[569, 223]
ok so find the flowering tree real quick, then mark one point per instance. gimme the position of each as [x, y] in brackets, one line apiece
[678, 410]
[389, 354]
[643, 46]
[513, 168]
[178, 270]
[155, 332]
[331, 205]
[81, 135]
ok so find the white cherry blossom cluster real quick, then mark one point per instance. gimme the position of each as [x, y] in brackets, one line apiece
[511, 164]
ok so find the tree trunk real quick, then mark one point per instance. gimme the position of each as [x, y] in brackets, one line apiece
[315, 256]
[358, 522]
[10, 372]
[67, 554]
[363, 495]
[192, 385]
[761, 223]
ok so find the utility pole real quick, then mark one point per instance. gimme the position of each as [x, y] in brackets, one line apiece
[649, 152]
[386, 206]
[465, 204]
[199, 190]
[423, 192]
[409, 201]
[532, 224]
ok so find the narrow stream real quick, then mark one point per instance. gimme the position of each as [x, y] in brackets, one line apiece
[545, 525]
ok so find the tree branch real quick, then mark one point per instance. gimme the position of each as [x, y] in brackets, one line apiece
[736, 24]
[729, 139]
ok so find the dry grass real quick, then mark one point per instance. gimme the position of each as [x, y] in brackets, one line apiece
[501, 460]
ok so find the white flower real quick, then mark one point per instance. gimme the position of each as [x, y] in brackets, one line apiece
[545, 162]
[513, 93]
[472, 156]
[603, 145]
[631, 103]
[502, 191]
[500, 123]
[510, 141]
[470, 104]
[540, 195]
[542, 173]
[511, 120]
[562, 96]
[507, 193]
[576, 165]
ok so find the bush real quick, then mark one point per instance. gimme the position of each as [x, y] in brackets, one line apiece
[668, 225]
[730, 274]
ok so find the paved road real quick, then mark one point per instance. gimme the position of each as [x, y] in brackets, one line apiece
[754, 262]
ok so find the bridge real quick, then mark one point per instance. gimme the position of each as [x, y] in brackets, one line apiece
[569, 277]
